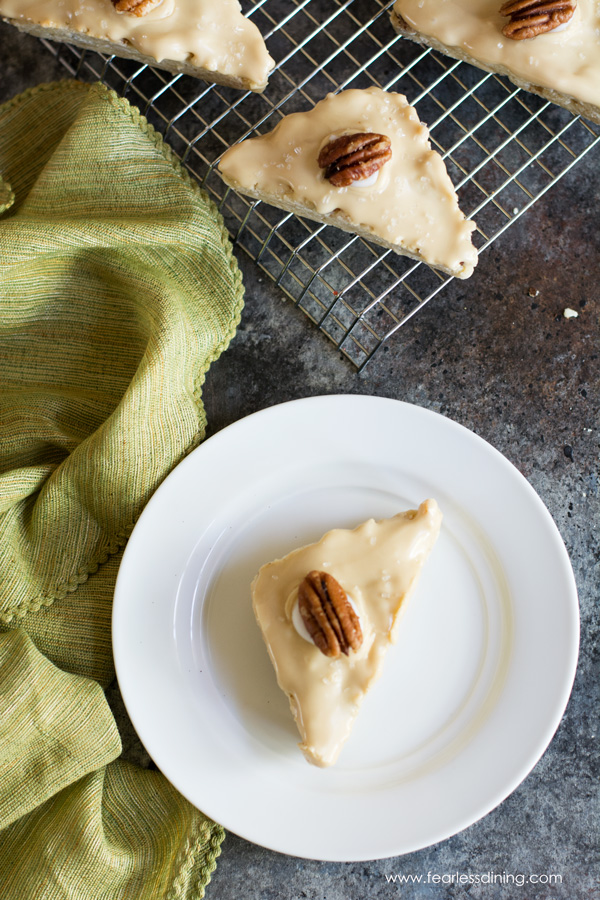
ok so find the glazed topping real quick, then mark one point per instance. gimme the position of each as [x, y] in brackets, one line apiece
[213, 36]
[412, 201]
[566, 60]
[378, 564]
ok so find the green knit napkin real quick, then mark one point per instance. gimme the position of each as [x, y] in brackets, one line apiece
[118, 288]
[55, 727]
[117, 833]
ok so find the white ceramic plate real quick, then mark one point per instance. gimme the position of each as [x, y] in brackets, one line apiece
[470, 695]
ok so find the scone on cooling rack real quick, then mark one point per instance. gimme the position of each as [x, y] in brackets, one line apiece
[328, 613]
[360, 160]
[548, 47]
[207, 40]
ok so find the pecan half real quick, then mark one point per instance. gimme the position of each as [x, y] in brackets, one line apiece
[354, 156]
[328, 614]
[135, 7]
[528, 18]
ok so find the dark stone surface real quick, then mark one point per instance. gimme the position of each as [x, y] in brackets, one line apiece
[510, 367]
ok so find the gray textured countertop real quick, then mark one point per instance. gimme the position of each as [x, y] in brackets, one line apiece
[510, 367]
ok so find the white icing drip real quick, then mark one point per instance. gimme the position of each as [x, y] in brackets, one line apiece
[562, 27]
[366, 182]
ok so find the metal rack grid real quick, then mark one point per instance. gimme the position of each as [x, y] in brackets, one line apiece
[503, 149]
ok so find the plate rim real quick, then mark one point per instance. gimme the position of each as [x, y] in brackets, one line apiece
[571, 604]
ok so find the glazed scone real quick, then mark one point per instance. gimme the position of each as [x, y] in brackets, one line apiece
[408, 205]
[207, 40]
[376, 566]
[562, 65]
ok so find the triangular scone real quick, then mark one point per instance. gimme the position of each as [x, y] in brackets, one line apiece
[203, 38]
[377, 564]
[409, 205]
[562, 65]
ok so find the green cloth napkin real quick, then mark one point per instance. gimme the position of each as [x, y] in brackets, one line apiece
[118, 288]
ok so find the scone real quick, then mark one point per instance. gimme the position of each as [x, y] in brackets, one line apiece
[207, 40]
[328, 613]
[561, 64]
[360, 160]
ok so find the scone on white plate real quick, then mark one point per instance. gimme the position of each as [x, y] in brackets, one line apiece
[207, 40]
[360, 160]
[329, 612]
[549, 48]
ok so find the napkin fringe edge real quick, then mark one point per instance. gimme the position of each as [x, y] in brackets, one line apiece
[194, 847]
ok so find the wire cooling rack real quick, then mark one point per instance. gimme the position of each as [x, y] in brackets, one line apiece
[503, 148]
